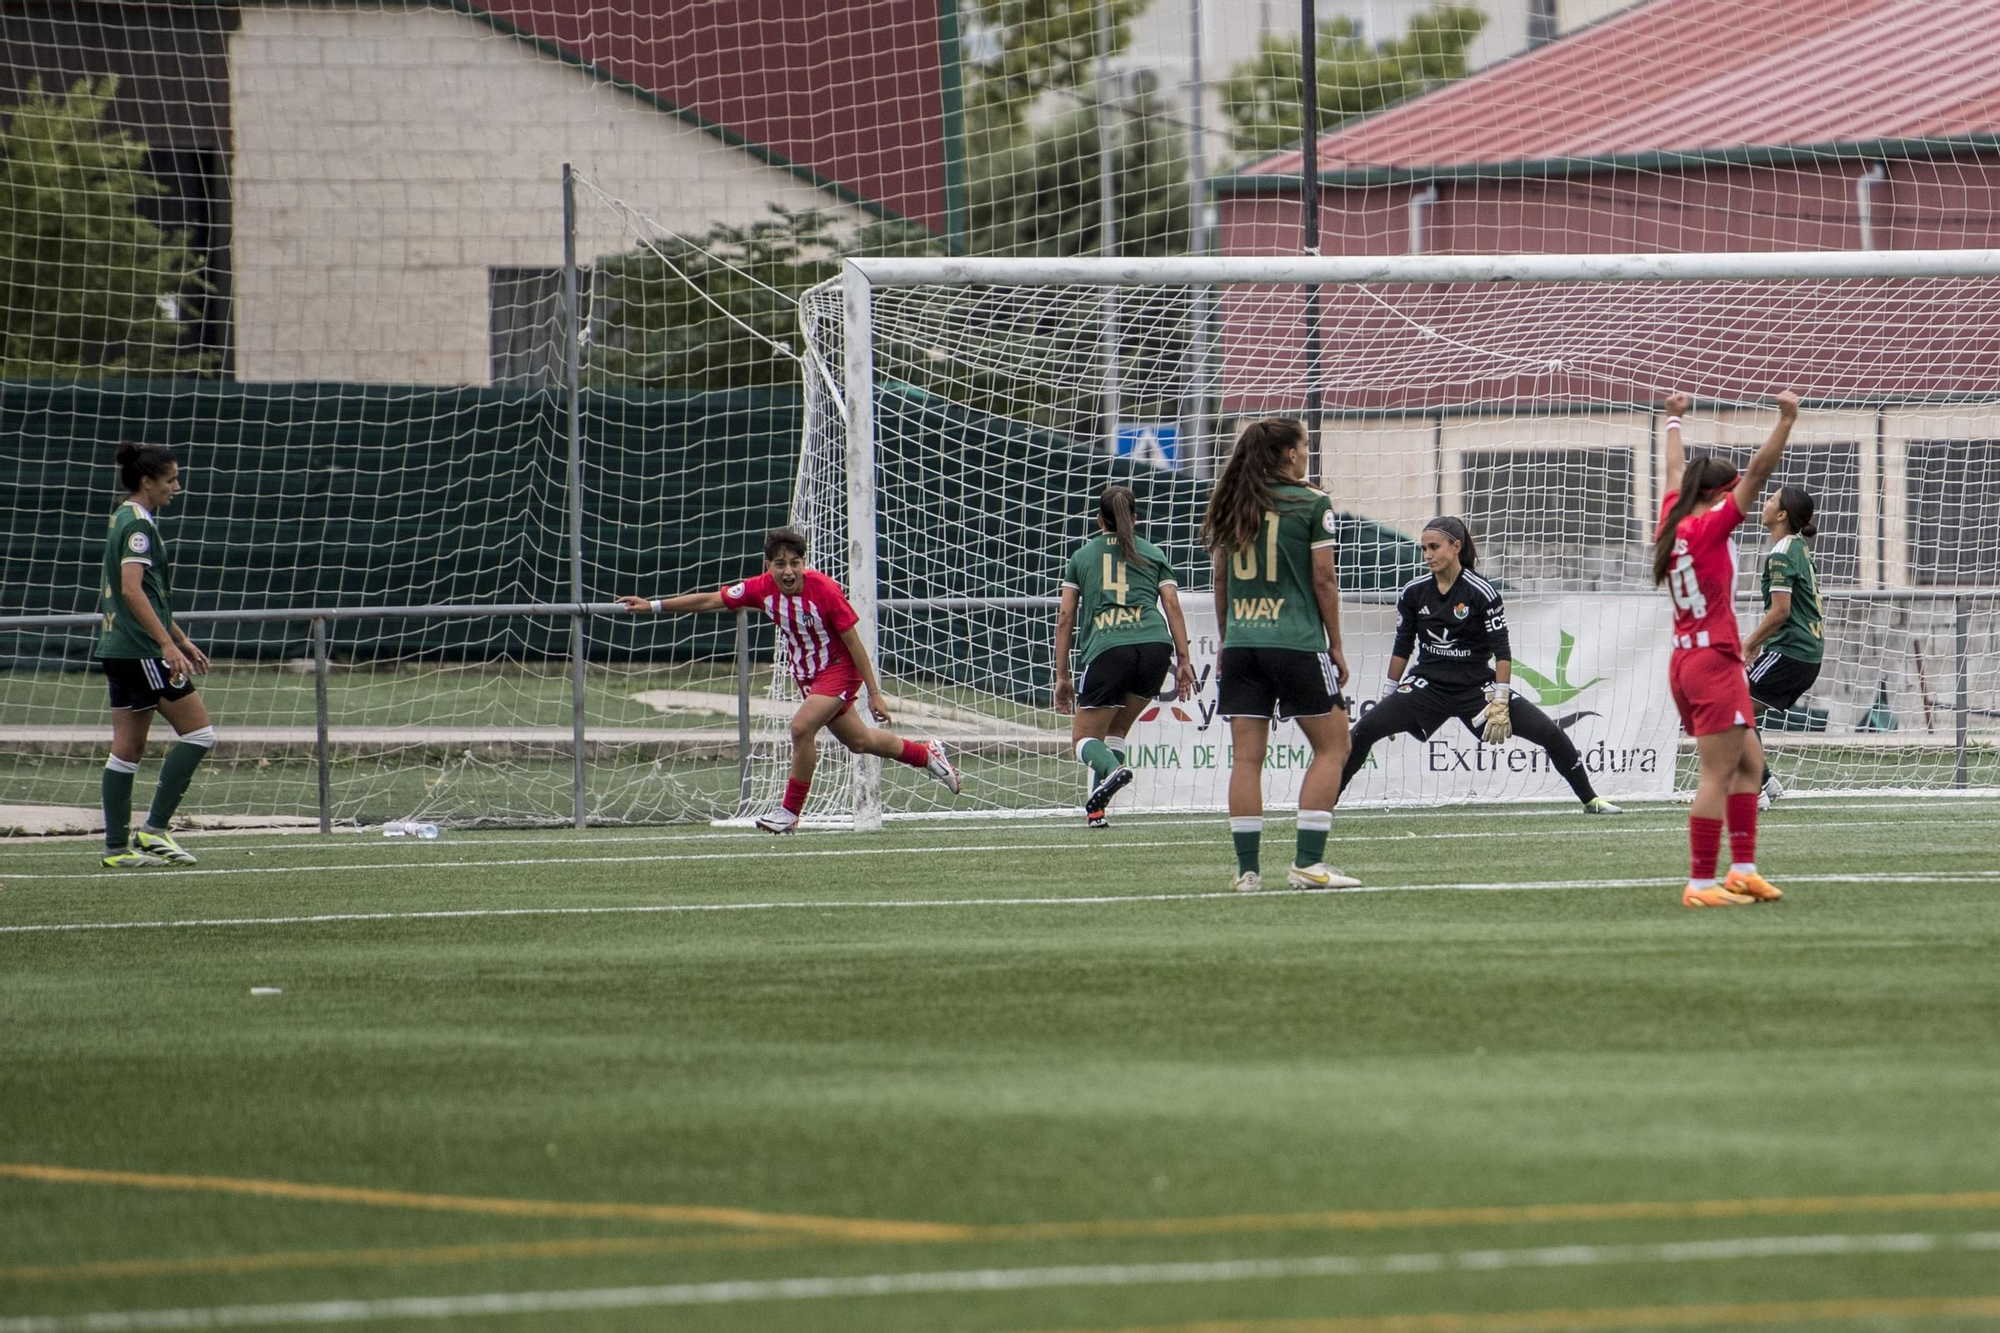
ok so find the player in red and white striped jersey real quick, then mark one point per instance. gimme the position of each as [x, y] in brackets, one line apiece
[828, 660]
[1694, 558]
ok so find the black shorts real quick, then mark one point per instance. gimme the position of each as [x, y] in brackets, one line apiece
[1419, 707]
[1124, 670]
[137, 684]
[1277, 682]
[1777, 681]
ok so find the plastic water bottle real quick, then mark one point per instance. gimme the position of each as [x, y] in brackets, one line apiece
[408, 828]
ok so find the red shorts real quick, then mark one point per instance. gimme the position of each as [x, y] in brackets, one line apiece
[1711, 691]
[840, 681]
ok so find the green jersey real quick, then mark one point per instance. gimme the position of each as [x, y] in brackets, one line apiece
[1118, 602]
[1788, 567]
[1271, 603]
[134, 539]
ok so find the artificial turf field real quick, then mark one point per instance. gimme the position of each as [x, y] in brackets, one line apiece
[992, 1076]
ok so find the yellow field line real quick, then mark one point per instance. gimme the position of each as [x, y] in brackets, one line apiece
[1592, 1321]
[395, 1258]
[1525, 1214]
[838, 1228]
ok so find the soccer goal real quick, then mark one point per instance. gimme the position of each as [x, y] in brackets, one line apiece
[965, 414]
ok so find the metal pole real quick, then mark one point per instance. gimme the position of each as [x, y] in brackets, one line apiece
[1194, 444]
[573, 373]
[1962, 632]
[322, 748]
[1107, 226]
[743, 712]
[1309, 212]
[862, 592]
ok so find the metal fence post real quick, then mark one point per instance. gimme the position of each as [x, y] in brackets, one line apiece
[323, 750]
[743, 711]
[1962, 632]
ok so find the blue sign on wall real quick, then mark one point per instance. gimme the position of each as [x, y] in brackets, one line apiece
[1157, 444]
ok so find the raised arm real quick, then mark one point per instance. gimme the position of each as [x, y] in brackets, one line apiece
[1675, 457]
[1065, 628]
[1765, 461]
[688, 601]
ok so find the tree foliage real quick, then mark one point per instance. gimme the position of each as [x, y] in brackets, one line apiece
[1355, 76]
[90, 285]
[1018, 50]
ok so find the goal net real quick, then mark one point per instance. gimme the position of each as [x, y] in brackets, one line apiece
[985, 404]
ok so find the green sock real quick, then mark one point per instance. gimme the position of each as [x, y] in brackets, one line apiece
[1099, 756]
[175, 773]
[118, 806]
[1247, 834]
[1314, 825]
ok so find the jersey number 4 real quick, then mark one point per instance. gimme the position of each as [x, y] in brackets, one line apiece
[1243, 563]
[1685, 588]
[1114, 579]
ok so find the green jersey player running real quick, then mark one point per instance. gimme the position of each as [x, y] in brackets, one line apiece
[1121, 583]
[149, 664]
[1277, 604]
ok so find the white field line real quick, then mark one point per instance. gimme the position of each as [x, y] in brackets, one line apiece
[891, 904]
[1070, 840]
[977, 1280]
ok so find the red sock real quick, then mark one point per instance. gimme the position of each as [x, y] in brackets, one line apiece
[1742, 827]
[916, 754]
[795, 795]
[1704, 845]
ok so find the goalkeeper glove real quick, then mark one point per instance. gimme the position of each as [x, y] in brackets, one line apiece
[1498, 716]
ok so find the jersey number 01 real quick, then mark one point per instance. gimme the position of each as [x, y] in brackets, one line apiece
[1243, 563]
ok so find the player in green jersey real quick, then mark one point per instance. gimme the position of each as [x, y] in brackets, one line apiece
[149, 664]
[1277, 605]
[1121, 583]
[1789, 643]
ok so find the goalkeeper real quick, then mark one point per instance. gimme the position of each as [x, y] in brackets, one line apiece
[1455, 625]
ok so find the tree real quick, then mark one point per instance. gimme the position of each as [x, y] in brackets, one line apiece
[1355, 76]
[89, 284]
[1016, 50]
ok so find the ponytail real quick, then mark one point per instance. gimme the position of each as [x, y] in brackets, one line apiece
[1796, 503]
[1117, 514]
[1703, 478]
[139, 462]
[1247, 486]
[1455, 529]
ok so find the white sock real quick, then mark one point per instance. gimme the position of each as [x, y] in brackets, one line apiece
[1315, 821]
[117, 765]
[1701, 883]
[1117, 744]
[1246, 823]
[1742, 867]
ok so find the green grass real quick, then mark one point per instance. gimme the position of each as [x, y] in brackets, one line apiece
[990, 1064]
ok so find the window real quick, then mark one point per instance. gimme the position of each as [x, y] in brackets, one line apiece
[526, 343]
[1953, 489]
[1561, 518]
[1832, 472]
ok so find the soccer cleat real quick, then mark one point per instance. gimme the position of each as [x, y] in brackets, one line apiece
[1715, 896]
[164, 847]
[1248, 882]
[1117, 780]
[1597, 805]
[1752, 886]
[940, 768]
[1770, 792]
[1319, 875]
[780, 820]
[127, 859]
[1096, 819]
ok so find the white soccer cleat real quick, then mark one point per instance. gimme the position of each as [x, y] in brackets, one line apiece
[1248, 882]
[1772, 790]
[1597, 805]
[1319, 875]
[780, 820]
[940, 768]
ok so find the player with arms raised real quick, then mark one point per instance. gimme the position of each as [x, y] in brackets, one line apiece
[1121, 583]
[828, 660]
[1694, 558]
[1277, 604]
[1452, 659]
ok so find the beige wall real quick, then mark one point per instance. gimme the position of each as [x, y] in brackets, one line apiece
[385, 161]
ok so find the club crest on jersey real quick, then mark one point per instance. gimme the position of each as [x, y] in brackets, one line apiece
[1461, 611]
[735, 590]
[1326, 520]
[138, 544]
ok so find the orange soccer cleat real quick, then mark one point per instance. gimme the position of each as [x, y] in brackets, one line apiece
[1752, 885]
[1713, 896]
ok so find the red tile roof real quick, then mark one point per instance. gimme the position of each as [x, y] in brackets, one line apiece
[1697, 76]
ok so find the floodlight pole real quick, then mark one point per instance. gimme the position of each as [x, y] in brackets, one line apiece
[1309, 214]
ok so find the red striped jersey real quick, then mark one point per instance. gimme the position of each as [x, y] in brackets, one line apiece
[809, 621]
[1702, 578]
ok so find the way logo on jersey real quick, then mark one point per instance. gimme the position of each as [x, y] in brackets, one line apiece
[1118, 617]
[1256, 608]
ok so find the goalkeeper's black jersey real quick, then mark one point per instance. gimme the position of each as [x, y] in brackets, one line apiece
[1454, 634]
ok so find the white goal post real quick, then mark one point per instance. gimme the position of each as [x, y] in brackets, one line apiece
[958, 436]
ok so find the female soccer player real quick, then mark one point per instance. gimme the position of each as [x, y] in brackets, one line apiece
[1693, 557]
[1454, 622]
[829, 662]
[149, 663]
[1122, 582]
[1792, 639]
[1277, 605]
